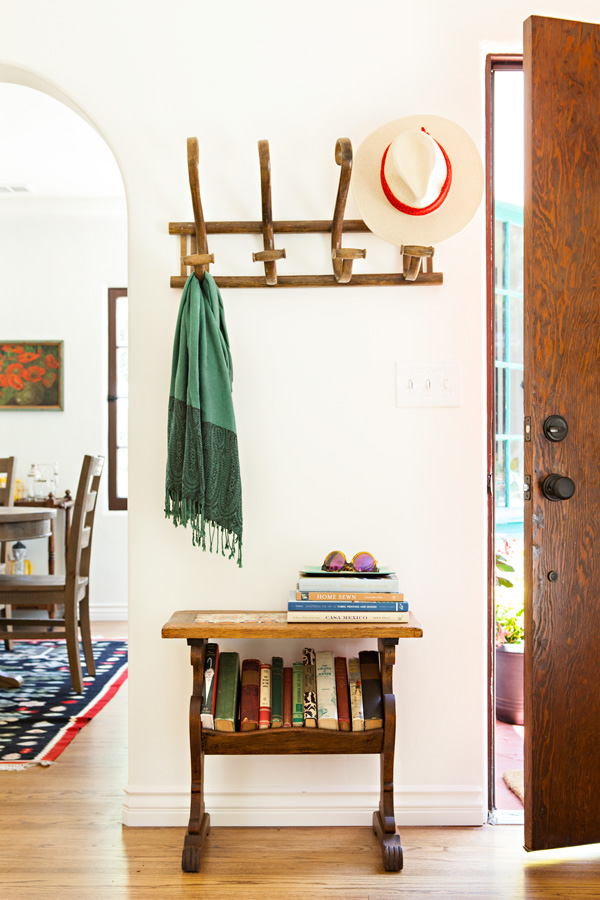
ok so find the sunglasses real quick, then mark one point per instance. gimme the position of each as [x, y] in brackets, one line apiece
[361, 562]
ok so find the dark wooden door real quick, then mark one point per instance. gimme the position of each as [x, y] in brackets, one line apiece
[562, 377]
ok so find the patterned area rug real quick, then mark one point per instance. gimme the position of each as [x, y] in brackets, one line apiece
[38, 720]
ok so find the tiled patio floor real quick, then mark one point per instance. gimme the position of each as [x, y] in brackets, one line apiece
[509, 755]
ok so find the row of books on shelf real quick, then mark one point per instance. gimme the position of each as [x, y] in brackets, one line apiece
[347, 598]
[321, 691]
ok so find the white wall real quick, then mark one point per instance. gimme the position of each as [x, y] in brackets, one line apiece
[59, 257]
[409, 485]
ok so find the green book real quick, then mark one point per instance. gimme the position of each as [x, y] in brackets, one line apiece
[297, 695]
[228, 690]
[277, 692]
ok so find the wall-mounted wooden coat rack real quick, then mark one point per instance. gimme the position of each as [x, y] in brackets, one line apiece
[194, 242]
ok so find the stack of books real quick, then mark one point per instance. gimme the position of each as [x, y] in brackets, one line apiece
[320, 691]
[349, 597]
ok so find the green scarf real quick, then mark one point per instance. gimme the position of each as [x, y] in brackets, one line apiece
[203, 483]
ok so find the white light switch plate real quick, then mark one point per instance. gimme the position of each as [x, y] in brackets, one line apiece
[428, 384]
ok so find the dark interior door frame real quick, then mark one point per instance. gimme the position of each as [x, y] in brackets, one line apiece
[494, 62]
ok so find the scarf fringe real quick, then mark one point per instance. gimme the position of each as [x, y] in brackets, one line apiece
[190, 512]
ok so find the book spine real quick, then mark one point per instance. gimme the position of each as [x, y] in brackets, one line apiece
[277, 692]
[356, 699]
[327, 712]
[342, 693]
[322, 615]
[297, 696]
[348, 597]
[287, 696]
[209, 693]
[228, 690]
[371, 687]
[249, 697]
[350, 585]
[352, 606]
[309, 688]
[264, 710]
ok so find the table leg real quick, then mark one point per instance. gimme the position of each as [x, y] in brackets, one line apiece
[51, 553]
[199, 824]
[384, 821]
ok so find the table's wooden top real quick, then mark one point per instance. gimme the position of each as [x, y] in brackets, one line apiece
[24, 524]
[227, 623]
[23, 514]
[50, 501]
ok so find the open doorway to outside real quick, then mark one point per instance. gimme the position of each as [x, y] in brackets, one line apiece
[505, 161]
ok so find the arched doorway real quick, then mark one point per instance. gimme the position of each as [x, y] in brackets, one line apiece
[63, 230]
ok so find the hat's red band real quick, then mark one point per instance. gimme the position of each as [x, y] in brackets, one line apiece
[413, 210]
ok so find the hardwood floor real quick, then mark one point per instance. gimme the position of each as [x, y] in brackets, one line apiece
[61, 838]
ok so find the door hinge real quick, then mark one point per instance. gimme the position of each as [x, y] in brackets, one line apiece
[490, 485]
[527, 428]
[527, 487]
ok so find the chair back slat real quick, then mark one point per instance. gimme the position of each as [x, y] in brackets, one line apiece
[84, 510]
[8, 469]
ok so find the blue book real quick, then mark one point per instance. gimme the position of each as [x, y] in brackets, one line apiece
[341, 606]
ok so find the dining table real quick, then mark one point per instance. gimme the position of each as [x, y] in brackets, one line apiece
[22, 523]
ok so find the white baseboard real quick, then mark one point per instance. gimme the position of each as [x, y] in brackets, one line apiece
[104, 612]
[415, 805]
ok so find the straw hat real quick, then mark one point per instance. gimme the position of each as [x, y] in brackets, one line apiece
[417, 180]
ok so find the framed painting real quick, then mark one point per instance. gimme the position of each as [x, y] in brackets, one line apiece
[31, 375]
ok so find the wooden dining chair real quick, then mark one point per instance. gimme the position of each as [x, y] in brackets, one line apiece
[71, 589]
[8, 471]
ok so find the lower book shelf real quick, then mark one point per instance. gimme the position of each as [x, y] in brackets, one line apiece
[290, 740]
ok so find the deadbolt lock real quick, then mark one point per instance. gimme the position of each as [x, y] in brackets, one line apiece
[556, 428]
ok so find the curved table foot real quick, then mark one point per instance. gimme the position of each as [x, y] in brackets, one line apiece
[193, 845]
[391, 846]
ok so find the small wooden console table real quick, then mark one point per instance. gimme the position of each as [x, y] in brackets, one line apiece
[197, 627]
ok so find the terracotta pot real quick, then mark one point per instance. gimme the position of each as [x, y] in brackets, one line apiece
[509, 683]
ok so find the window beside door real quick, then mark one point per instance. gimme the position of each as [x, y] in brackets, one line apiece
[118, 397]
[508, 252]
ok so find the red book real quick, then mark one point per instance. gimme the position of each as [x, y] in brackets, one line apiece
[250, 694]
[343, 693]
[287, 696]
[264, 710]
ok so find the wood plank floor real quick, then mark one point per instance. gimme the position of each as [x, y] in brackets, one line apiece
[61, 839]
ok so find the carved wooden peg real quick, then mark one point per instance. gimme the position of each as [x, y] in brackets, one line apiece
[342, 257]
[201, 257]
[412, 258]
[269, 255]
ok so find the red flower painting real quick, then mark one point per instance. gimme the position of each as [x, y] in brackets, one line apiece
[27, 386]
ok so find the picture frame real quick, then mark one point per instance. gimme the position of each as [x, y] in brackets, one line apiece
[31, 375]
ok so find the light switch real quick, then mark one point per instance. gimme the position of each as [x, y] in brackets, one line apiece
[428, 384]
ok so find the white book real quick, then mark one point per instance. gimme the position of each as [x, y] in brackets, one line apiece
[327, 713]
[354, 583]
[356, 701]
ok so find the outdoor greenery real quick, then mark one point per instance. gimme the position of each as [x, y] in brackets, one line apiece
[510, 614]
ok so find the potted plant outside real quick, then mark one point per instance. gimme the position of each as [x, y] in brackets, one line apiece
[510, 634]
